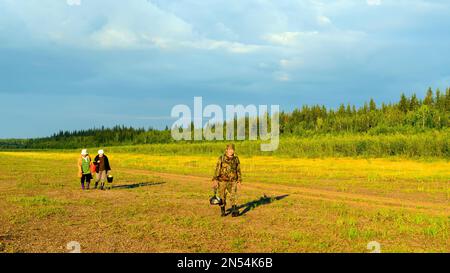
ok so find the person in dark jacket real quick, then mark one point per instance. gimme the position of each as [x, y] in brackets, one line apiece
[102, 168]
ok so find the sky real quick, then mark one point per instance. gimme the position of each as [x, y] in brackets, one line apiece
[78, 64]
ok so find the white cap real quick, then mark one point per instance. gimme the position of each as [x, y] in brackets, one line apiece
[100, 152]
[84, 152]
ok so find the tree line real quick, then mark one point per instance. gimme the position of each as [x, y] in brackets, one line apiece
[409, 115]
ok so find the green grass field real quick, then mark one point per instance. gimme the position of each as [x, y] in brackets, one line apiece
[159, 203]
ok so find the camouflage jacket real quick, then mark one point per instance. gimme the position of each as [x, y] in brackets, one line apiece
[228, 169]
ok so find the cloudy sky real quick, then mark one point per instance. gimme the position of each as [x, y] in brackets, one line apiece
[72, 64]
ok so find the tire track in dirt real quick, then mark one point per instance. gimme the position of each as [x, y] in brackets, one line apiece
[360, 200]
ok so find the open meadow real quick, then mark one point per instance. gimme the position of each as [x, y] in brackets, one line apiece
[159, 203]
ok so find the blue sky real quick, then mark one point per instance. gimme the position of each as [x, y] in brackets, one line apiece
[73, 64]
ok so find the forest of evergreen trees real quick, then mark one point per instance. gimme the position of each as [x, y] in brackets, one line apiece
[409, 115]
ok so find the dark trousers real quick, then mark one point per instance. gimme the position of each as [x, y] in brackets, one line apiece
[86, 178]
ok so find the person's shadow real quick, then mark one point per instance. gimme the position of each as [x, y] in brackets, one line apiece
[263, 200]
[137, 185]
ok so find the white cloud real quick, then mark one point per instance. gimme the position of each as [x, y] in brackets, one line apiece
[283, 38]
[124, 39]
[282, 76]
[136, 25]
[227, 46]
[290, 63]
[373, 2]
[115, 38]
[73, 2]
[323, 20]
[290, 38]
[158, 42]
[232, 47]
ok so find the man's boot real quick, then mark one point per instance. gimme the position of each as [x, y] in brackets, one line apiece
[235, 211]
[96, 185]
[222, 211]
[88, 185]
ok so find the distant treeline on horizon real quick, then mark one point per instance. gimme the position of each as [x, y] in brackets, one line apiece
[410, 115]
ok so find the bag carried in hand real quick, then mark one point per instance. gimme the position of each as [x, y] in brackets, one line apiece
[215, 201]
[93, 168]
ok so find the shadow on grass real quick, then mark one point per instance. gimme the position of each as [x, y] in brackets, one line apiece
[138, 185]
[264, 200]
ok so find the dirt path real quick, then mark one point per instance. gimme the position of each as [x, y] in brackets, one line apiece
[356, 199]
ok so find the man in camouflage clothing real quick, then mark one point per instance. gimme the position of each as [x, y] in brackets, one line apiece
[227, 177]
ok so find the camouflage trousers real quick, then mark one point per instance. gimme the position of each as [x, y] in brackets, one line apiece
[226, 188]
